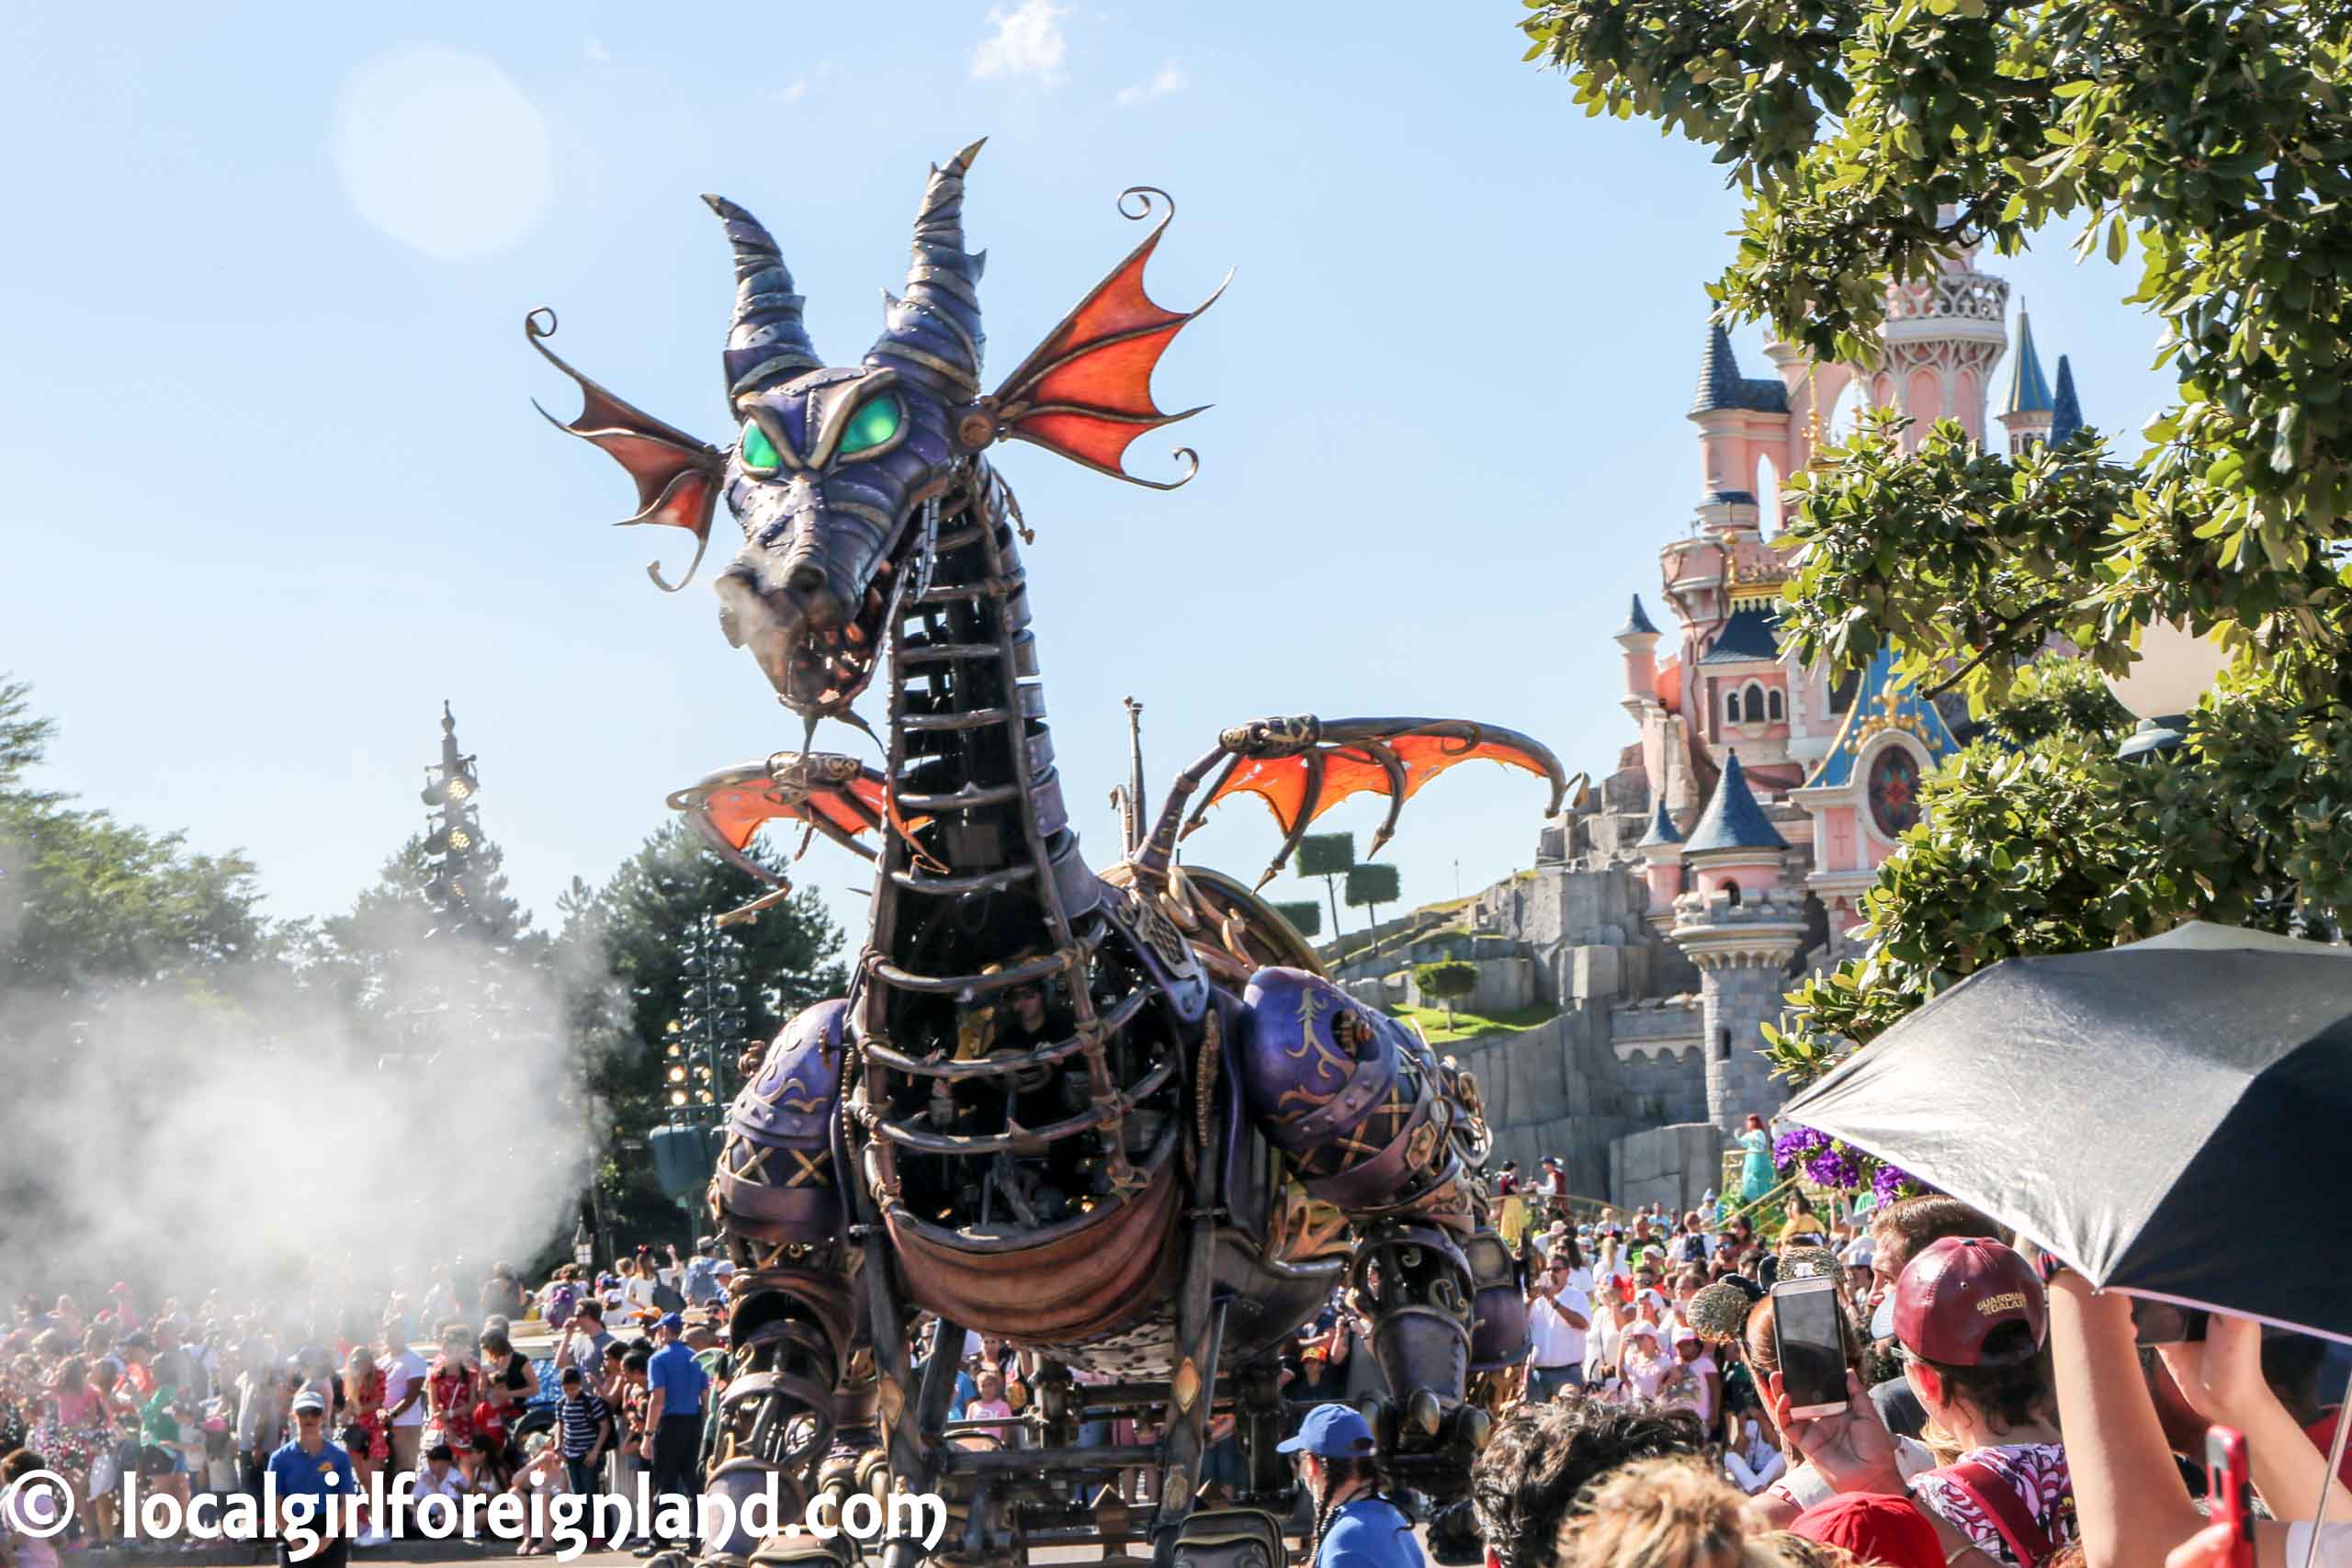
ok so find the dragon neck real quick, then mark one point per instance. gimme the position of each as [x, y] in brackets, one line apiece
[970, 751]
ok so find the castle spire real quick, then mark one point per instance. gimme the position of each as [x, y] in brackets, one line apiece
[2026, 412]
[2066, 414]
[1733, 821]
[1721, 386]
[2029, 393]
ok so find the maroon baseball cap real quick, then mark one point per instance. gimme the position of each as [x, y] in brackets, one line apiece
[1956, 1291]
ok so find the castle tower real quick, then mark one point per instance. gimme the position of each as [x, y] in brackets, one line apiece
[1741, 924]
[1638, 637]
[1944, 333]
[1661, 851]
[2026, 412]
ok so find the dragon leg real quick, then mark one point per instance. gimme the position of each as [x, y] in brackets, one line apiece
[798, 1409]
[1375, 1125]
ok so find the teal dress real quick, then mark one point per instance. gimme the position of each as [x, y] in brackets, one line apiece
[1756, 1175]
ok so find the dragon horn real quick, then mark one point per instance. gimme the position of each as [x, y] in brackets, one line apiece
[766, 338]
[935, 331]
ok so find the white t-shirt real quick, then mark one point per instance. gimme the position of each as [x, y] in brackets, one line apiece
[401, 1373]
[2334, 1545]
[1558, 1342]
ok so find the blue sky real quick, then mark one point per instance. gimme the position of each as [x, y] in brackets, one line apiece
[275, 487]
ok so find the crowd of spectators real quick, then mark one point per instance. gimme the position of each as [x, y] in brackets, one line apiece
[1998, 1412]
[201, 1399]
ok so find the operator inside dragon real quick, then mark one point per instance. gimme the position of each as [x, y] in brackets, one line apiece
[1120, 1119]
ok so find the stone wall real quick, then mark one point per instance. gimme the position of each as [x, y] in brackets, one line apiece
[1675, 1164]
[1553, 1089]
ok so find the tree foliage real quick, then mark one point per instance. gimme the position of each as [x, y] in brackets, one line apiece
[87, 900]
[632, 928]
[1447, 979]
[1871, 137]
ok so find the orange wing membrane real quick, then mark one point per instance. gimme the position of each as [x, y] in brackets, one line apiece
[834, 795]
[1301, 767]
[1086, 390]
[677, 477]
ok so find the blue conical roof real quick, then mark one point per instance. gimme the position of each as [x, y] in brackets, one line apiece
[1637, 622]
[1721, 386]
[2067, 417]
[1661, 828]
[1733, 821]
[2029, 393]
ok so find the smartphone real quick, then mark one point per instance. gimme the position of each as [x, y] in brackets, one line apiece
[1805, 1331]
[2232, 1493]
[2161, 1322]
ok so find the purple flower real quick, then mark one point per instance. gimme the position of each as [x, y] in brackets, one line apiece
[1835, 1166]
[1797, 1147]
[1893, 1182]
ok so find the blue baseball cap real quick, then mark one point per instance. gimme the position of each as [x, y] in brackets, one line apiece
[1331, 1431]
[671, 1321]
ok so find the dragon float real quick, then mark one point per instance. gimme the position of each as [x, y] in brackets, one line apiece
[1121, 1119]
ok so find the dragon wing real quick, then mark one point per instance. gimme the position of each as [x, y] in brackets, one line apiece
[834, 795]
[1302, 767]
[1085, 392]
[677, 477]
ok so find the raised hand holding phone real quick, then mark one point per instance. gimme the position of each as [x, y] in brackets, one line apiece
[1852, 1449]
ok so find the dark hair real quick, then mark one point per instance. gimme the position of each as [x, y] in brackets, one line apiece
[1338, 1472]
[441, 1451]
[1911, 1225]
[20, 1463]
[589, 1306]
[1565, 1251]
[2290, 1365]
[616, 1352]
[570, 1375]
[2011, 1389]
[1540, 1458]
[637, 1360]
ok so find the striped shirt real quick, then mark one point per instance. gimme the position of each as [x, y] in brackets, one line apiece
[581, 1415]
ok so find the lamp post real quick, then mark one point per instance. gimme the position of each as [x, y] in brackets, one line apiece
[583, 1245]
[2173, 670]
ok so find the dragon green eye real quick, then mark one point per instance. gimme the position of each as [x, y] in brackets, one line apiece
[871, 426]
[759, 454]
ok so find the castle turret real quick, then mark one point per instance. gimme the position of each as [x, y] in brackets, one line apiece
[1944, 333]
[2026, 412]
[1661, 851]
[1741, 924]
[1739, 418]
[2066, 414]
[1638, 637]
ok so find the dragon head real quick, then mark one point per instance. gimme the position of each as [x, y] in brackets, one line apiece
[831, 464]
[832, 467]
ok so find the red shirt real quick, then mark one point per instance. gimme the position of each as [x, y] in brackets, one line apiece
[2321, 1433]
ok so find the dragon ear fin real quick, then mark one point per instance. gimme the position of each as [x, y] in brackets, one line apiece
[1085, 392]
[677, 477]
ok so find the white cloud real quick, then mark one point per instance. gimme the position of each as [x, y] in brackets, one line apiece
[1028, 41]
[594, 49]
[1169, 79]
[792, 92]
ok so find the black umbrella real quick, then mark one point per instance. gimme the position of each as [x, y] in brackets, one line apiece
[2172, 1118]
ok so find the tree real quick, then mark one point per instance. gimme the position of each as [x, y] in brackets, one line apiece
[1329, 856]
[1370, 886]
[87, 901]
[1305, 916]
[634, 928]
[1871, 137]
[1449, 980]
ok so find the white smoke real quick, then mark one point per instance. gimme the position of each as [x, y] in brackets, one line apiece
[256, 1139]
